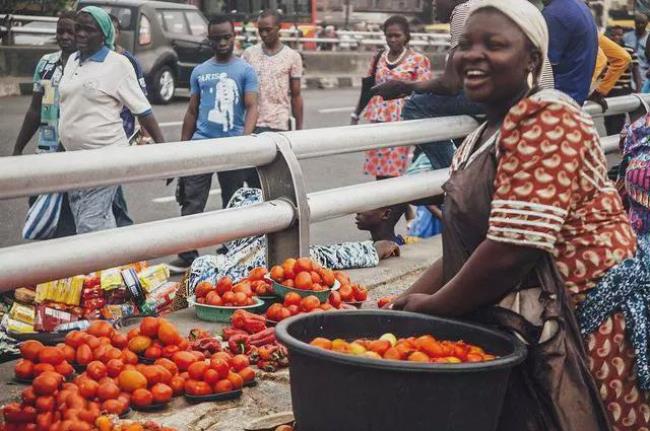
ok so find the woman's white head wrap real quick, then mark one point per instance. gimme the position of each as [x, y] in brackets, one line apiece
[523, 13]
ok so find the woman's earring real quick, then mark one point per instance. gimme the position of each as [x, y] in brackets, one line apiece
[530, 80]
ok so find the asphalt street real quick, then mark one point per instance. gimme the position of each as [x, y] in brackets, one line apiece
[150, 201]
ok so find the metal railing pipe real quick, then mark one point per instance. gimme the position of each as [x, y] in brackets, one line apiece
[609, 144]
[38, 262]
[30, 18]
[39, 173]
[616, 105]
[350, 139]
[339, 202]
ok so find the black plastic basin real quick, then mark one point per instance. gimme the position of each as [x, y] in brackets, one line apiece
[337, 392]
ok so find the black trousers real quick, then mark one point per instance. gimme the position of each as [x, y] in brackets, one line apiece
[192, 193]
[614, 123]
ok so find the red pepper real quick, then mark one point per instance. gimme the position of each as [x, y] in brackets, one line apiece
[263, 338]
[254, 326]
[238, 344]
[249, 322]
[229, 332]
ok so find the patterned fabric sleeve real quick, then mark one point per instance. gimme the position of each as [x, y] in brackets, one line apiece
[346, 255]
[38, 72]
[296, 70]
[540, 152]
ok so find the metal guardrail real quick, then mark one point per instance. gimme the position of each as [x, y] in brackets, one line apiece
[284, 216]
[11, 25]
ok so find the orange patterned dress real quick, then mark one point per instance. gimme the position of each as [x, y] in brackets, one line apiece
[392, 162]
[551, 192]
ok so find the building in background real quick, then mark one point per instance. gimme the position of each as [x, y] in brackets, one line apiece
[300, 11]
[351, 12]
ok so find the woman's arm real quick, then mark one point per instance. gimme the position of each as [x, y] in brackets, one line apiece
[493, 270]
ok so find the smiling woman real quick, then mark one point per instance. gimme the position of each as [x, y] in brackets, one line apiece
[534, 227]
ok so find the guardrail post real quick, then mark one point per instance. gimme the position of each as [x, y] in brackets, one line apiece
[7, 37]
[283, 179]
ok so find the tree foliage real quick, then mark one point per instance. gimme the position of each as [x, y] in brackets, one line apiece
[35, 7]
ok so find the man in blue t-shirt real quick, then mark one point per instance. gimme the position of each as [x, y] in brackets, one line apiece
[573, 46]
[223, 103]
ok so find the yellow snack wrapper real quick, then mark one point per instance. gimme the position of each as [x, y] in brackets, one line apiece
[23, 313]
[153, 277]
[44, 291]
[111, 279]
[73, 287]
[18, 327]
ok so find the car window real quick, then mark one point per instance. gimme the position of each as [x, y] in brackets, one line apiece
[124, 14]
[174, 22]
[198, 24]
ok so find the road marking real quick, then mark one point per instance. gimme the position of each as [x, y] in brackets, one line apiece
[171, 124]
[167, 199]
[333, 110]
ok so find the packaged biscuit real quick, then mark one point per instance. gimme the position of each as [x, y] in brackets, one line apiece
[153, 277]
[133, 286]
[160, 299]
[18, 327]
[23, 313]
[48, 318]
[115, 311]
[74, 288]
[25, 295]
[64, 291]
[111, 279]
[44, 290]
[79, 325]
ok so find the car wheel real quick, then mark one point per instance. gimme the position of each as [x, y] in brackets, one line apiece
[163, 85]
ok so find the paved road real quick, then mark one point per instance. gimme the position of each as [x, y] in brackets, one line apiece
[153, 201]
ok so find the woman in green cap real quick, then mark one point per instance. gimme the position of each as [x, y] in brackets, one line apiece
[97, 83]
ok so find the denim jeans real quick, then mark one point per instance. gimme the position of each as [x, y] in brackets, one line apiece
[120, 210]
[429, 105]
[92, 208]
[192, 193]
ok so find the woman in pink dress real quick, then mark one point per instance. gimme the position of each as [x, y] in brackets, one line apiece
[398, 62]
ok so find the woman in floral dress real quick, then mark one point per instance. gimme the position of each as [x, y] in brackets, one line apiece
[401, 63]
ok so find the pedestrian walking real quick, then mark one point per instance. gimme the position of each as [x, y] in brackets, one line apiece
[397, 62]
[573, 46]
[536, 240]
[629, 82]
[279, 71]
[42, 115]
[612, 62]
[637, 40]
[223, 103]
[96, 84]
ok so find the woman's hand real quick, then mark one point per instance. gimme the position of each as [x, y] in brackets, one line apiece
[393, 89]
[415, 302]
[386, 249]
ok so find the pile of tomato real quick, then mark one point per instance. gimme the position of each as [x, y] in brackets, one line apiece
[349, 292]
[219, 374]
[225, 294]
[424, 348]
[304, 274]
[114, 379]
